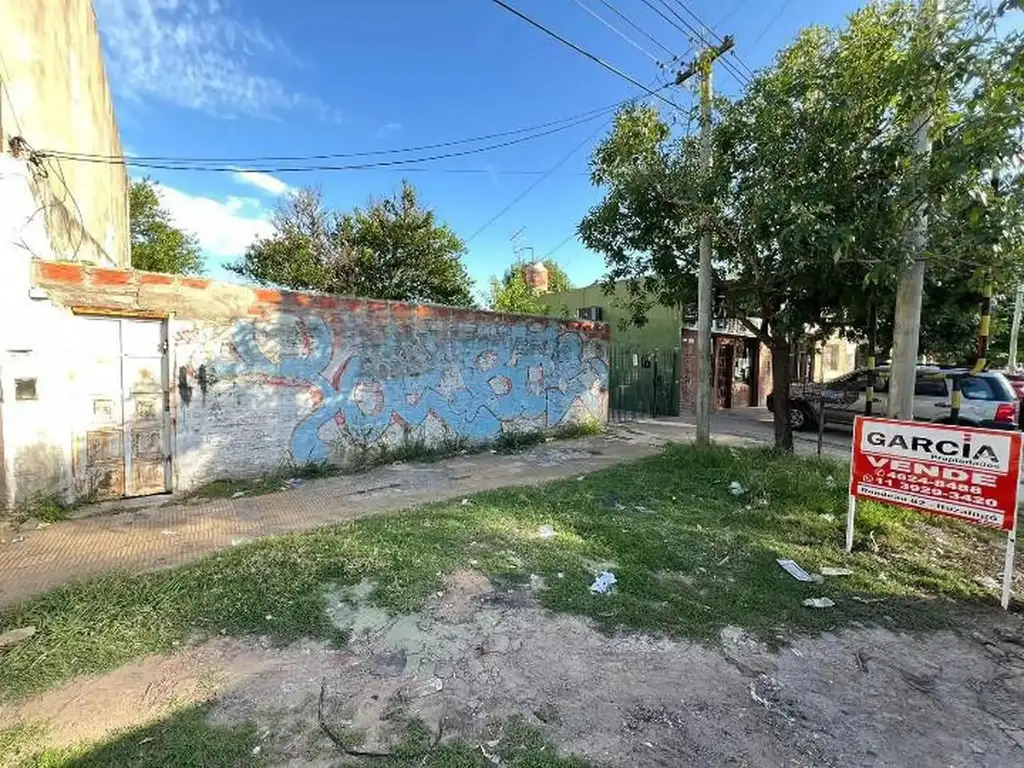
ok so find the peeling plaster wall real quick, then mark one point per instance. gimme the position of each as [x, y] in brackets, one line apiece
[56, 97]
[261, 379]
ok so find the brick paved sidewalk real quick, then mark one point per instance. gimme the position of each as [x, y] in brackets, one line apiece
[162, 535]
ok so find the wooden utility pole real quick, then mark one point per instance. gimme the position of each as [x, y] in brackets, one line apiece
[702, 66]
[910, 289]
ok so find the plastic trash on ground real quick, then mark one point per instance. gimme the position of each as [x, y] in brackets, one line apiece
[736, 488]
[546, 532]
[603, 582]
[818, 602]
[794, 570]
[828, 570]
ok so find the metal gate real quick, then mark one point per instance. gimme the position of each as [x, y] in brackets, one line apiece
[642, 382]
[122, 439]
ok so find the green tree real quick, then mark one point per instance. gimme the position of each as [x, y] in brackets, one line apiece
[157, 245]
[815, 178]
[393, 249]
[512, 294]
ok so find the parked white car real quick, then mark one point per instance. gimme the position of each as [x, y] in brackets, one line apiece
[987, 398]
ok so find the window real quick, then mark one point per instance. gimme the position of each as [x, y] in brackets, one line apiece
[975, 388]
[594, 314]
[25, 389]
[930, 387]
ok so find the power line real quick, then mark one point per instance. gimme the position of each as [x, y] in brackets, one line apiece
[299, 169]
[771, 22]
[535, 184]
[737, 75]
[617, 31]
[682, 4]
[559, 247]
[729, 14]
[565, 122]
[687, 29]
[586, 53]
[636, 26]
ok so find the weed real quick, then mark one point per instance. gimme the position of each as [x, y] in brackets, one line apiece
[227, 488]
[513, 442]
[689, 558]
[585, 428]
[50, 507]
[410, 449]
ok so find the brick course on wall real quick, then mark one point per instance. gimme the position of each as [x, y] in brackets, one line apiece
[261, 378]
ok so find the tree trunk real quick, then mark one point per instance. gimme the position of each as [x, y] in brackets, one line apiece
[780, 394]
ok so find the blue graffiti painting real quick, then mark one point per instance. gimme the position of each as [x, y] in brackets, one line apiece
[530, 376]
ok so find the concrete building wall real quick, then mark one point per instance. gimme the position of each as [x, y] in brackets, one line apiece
[55, 97]
[259, 379]
[660, 332]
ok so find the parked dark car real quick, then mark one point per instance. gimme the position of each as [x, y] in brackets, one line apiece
[988, 398]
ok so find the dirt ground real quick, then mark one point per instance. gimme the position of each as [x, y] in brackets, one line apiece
[476, 655]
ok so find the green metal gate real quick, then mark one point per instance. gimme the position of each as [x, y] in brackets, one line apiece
[642, 382]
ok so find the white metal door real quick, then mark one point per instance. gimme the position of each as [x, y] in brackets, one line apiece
[127, 445]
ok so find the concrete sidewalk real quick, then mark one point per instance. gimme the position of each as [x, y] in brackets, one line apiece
[157, 534]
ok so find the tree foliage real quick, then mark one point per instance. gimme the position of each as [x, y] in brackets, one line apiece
[512, 294]
[157, 245]
[393, 249]
[815, 179]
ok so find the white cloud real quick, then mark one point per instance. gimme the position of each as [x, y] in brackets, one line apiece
[389, 128]
[223, 228]
[193, 54]
[264, 181]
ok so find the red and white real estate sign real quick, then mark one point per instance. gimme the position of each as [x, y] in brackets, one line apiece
[964, 472]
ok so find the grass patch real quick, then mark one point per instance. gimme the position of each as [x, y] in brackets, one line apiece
[185, 739]
[49, 508]
[689, 557]
[275, 481]
[513, 442]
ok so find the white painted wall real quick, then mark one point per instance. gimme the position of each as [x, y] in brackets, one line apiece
[35, 342]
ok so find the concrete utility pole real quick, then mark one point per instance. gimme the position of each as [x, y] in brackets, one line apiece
[1018, 304]
[910, 289]
[702, 66]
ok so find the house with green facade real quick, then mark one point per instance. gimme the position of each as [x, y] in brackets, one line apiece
[592, 303]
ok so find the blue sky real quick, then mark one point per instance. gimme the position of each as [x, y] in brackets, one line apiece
[242, 78]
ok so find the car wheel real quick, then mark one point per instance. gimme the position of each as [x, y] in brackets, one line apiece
[798, 418]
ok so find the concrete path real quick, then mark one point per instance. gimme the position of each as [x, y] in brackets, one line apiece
[156, 534]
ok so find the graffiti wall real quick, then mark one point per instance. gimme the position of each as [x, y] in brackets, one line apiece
[255, 379]
[302, 386]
